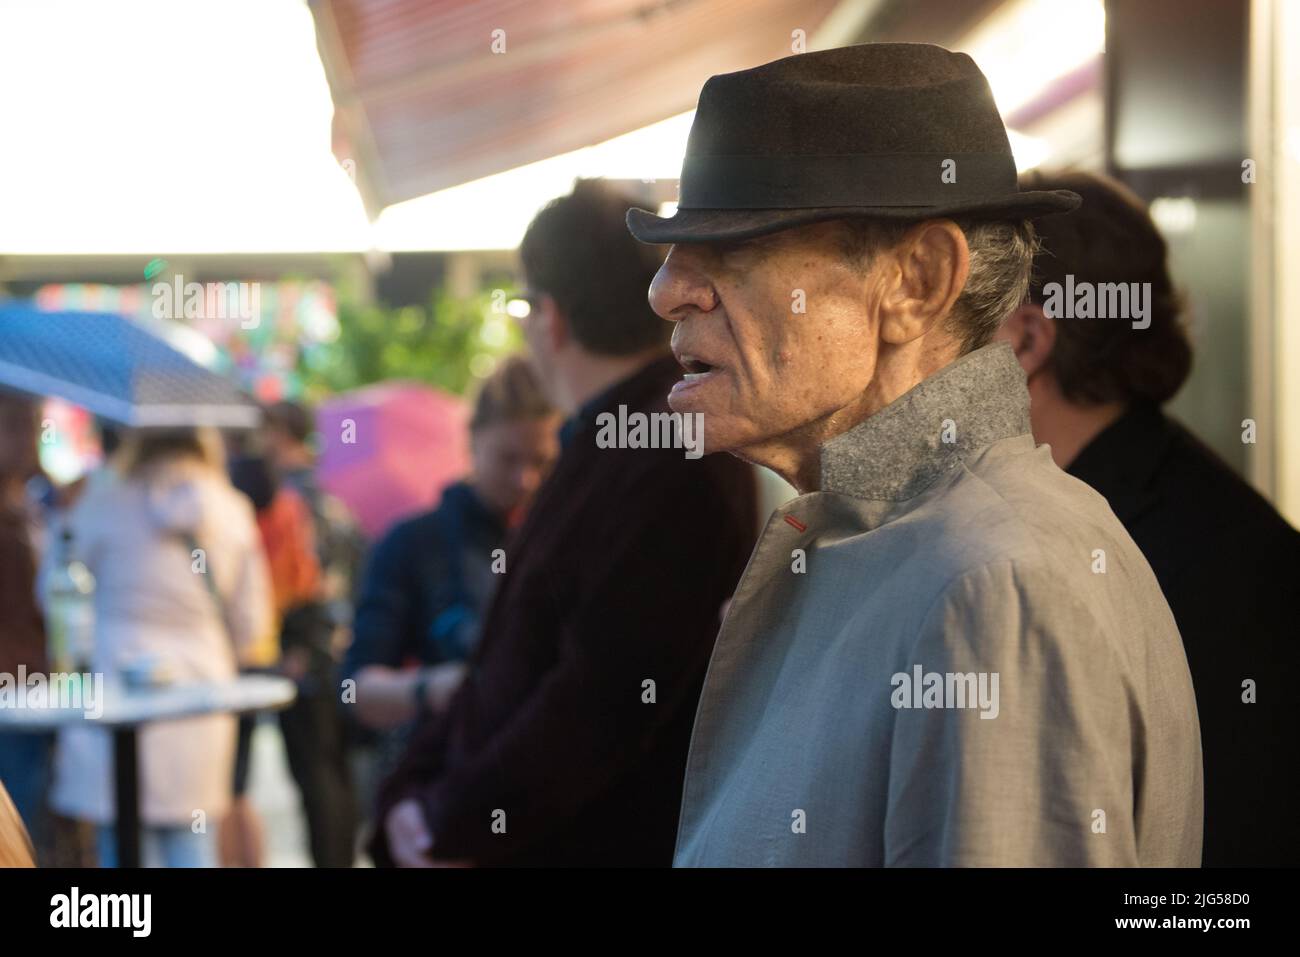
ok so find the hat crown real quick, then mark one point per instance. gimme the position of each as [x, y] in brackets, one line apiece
[869, 98]
[887, 130]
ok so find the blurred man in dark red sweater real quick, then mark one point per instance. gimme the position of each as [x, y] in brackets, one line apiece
[567, 743]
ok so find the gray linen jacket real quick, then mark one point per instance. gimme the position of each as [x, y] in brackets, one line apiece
[943, 542]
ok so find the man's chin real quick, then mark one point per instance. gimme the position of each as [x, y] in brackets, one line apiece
[711, 434]
[719, 430]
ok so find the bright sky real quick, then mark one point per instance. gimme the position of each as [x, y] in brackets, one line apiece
[172, 126]
[147, 126]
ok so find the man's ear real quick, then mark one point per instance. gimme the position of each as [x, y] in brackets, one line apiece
[1031, 335]
[925, 273]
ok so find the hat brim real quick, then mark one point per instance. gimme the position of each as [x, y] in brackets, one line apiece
[726, 225]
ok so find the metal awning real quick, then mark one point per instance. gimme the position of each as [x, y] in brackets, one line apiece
[422, 101]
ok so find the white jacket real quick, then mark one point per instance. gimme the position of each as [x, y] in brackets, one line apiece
[131, 534]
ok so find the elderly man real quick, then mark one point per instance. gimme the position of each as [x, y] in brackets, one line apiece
[946, 651]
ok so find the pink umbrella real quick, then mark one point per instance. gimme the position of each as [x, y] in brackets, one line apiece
[388, 450]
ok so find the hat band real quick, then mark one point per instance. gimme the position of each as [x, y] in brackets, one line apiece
[851, 179]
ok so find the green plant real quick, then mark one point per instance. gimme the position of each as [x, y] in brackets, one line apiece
[448, 345]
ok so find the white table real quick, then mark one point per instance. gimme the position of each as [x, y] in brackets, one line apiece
[126, 710]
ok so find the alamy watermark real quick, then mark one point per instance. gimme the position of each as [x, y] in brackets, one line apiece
[129, 911]
[1102, 300]
[948, 689]
[651, 430]
[69, 691]
[179, 299]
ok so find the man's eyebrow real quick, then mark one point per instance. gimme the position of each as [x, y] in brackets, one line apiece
[724, 247]
[752, 243]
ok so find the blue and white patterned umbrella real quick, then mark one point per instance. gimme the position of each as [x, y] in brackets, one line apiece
[114, 368]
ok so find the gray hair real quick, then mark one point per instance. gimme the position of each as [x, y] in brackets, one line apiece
[1001, 257]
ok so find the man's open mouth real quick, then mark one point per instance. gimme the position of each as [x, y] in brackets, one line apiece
[695, 366]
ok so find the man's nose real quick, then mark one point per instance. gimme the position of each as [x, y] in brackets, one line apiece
[680, 287]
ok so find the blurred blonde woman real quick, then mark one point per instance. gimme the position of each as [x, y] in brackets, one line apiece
[135, 531]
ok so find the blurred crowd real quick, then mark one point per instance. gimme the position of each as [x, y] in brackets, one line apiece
[214, 554]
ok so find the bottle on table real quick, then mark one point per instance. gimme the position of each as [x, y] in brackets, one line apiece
[70, 611]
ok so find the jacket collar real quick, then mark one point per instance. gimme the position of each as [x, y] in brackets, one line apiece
[944, 420]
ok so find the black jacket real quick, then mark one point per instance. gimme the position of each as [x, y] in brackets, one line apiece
[1229, 566]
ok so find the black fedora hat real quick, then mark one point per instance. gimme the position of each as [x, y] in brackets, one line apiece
[892, 130]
